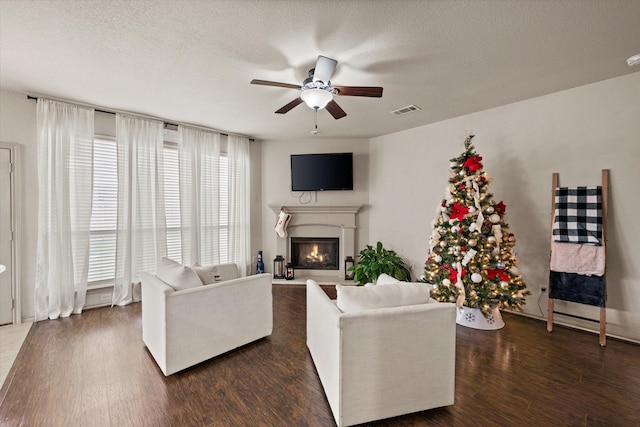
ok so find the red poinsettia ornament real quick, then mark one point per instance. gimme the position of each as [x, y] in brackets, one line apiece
[473, 163]
[453, 273]
[501, 208]
[492, 274]
[458, 211]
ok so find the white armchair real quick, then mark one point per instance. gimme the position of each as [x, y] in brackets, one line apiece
[382, 362]
[184, 327]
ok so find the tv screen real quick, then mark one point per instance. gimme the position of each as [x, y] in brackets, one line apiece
[320, 172]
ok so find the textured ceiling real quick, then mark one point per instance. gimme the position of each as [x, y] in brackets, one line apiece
[192, 61]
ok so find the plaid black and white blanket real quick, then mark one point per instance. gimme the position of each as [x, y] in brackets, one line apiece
[578, 215]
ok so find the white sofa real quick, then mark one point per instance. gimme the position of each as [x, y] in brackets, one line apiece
[382, 362]
[184, 327]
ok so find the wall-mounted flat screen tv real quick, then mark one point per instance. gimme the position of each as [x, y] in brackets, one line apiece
[322, 172]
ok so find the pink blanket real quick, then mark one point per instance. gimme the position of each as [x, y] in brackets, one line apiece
[577, 258]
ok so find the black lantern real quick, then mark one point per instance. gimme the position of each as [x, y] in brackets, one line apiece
[290, 273]
[349, 262]
[278, 267]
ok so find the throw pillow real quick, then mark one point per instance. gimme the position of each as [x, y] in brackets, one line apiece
[207, 274]
[385, 279]
[357, 298]
[228, 271]
[176, 275]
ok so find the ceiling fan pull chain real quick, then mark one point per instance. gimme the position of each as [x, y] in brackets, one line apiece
[315, 131]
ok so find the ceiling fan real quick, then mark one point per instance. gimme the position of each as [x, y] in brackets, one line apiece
[317, 92]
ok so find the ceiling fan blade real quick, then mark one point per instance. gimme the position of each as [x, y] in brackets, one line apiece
[289, 106]
[334, 109]
[372, 91]
[324, 69]
[278, 84]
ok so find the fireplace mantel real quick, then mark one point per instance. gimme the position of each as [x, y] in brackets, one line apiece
[317, 209]
[320, 221]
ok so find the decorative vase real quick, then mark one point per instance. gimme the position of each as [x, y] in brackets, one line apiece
[473, 318]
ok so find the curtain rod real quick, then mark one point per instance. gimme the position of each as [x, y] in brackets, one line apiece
[166, 123]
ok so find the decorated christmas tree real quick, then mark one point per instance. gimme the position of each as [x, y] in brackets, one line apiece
[471, 260]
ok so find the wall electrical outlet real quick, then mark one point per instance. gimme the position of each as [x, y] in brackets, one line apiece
[543, 289]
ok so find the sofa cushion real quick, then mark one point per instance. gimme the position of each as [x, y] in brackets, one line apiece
[357, 298]
[176, 275]
[208, 274]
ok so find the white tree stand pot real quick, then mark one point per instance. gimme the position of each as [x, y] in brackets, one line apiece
[473, 318]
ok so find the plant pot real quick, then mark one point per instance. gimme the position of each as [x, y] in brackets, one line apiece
[473, 318]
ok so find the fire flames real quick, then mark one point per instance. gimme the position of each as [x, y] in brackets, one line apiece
[313, 256]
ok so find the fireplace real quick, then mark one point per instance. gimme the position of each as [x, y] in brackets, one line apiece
[315, 253]
[320, 221]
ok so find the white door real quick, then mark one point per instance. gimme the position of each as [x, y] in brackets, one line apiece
[6, 299]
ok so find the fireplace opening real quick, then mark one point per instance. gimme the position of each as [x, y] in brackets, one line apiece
[315, 253]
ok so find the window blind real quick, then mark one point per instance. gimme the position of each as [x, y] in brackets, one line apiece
[102, 249]
[172, 202]
[104, 214]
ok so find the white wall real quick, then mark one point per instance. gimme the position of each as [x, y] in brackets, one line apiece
[18, 125]
[576, 133]
[276, 185]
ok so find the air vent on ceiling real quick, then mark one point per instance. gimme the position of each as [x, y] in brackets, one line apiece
[406, 110]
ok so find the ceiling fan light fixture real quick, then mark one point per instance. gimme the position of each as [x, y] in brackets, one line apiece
[316, 98]
[633, 60]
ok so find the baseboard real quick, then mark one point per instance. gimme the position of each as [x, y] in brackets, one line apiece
[579, 328]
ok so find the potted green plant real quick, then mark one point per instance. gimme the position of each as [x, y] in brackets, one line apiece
[375, 261]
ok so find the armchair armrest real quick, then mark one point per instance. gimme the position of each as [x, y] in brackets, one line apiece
[323, 338]
[154, 295]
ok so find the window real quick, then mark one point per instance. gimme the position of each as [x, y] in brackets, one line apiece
[104, 214]
[223, 232]
[215, 215]
[172, 201]
[102, 253]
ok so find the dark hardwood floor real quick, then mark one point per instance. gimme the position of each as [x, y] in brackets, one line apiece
[94, 370]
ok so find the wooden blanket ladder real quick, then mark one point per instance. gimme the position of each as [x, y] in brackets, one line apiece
[603, 311]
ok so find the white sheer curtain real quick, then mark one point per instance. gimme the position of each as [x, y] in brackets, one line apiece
[199, 152]
[214, 198]
[239, 202]
[65, 184]
[141, 231]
